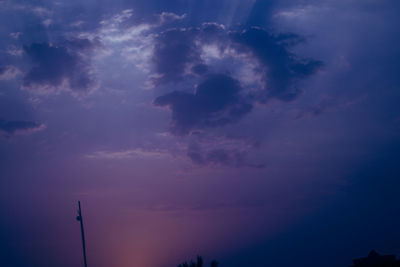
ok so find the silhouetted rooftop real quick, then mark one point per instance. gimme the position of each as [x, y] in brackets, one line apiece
[377, 260]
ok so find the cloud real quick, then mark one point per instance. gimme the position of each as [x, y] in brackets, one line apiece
[8, 72]
[168, 17]
[128, 37]
[15, 35]
[178, 52]
[12, 128]
[60, 67]
[174, 50]
[222, 152]
[258, 64]
[215, 156]
[261, 62]
[127, 154]
[200, 69]
[217, 101]
[282, 69]
[181, 52]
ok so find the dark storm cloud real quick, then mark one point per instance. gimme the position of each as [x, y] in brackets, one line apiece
[217, 101]
[177, 51]
[174, 50]
[282, 68]
[53, 65]
[179, 54]
[11, 128]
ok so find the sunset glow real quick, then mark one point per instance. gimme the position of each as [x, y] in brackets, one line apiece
[255, 133]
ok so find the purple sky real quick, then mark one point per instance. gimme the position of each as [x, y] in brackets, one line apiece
[254, 132]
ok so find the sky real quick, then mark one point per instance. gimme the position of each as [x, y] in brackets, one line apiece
[253, 132]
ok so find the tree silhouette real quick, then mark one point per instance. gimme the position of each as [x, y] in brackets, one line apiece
[198, 263]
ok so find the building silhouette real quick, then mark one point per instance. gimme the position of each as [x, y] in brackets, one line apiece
[374, 259]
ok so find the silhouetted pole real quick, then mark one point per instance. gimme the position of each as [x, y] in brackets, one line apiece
[80, 219]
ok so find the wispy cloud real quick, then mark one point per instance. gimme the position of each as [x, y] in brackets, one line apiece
[9, 72]
[14, 127]
[127, 154]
